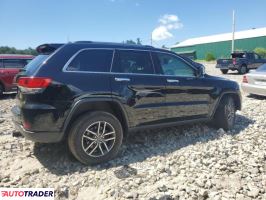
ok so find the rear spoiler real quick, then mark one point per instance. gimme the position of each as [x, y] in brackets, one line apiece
[47, 48]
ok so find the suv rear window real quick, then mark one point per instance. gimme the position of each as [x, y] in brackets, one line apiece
[137, 62]
[96, 60]
[33, 65]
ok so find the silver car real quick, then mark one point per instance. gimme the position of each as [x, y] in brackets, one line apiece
[255, 81]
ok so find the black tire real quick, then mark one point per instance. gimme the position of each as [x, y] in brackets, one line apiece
[221, 117]
[77, 144]
[243, 69]
[2, 89]
[224, 71]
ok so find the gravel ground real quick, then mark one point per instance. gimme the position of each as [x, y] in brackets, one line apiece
[188, 162]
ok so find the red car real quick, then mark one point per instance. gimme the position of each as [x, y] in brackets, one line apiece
[10, 64]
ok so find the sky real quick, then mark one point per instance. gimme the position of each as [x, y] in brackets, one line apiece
[29, 23]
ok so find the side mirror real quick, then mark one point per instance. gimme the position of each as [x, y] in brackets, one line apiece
[201, 71]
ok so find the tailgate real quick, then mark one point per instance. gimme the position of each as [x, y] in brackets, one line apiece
[223, 63]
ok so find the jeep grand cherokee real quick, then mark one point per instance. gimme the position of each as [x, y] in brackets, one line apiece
[92, 94]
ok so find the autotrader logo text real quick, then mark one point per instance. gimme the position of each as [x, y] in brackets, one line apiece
[27, 193]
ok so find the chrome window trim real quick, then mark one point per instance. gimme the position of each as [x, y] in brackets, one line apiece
[87, 49]
[112, 62]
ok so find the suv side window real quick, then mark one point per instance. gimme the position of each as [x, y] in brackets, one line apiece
[1, 63]
[13, 63]
[92, 60]
[133, 61]
[174, 66]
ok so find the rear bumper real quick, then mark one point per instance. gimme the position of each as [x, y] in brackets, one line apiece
[42, 137]
[254, 89]
[230, 66]
[11, 88]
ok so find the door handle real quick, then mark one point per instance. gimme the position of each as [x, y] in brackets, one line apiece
[122, 79]
[172, 81]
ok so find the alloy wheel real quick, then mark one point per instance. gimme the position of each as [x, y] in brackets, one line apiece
[98, 139]
[230, 111]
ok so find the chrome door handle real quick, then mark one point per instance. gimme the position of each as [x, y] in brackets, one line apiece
[122, 79]
[172, 81]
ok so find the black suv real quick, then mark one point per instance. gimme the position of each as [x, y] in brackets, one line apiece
[92, 94]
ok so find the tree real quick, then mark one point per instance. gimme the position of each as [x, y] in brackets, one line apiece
[209, 57]
[12, 50]
[138, 41]
[130, 42]
[260, 51]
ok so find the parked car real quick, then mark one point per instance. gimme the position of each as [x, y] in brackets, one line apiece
[241, 61]
[10, 64]
[255, 81]
[93, 94]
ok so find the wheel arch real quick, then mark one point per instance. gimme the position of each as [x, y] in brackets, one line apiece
[234, 95]
[88, 105]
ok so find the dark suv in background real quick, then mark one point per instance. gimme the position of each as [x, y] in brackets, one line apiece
[92, 94]
[242, 61]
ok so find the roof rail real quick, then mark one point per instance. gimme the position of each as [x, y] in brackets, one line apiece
[148, 46]
[83, 42]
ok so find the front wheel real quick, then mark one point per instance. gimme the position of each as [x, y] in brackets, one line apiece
[95, 138]
[224, 71]
[225, 114]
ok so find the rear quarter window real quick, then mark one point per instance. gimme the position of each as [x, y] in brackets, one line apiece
[91, 60]
[34, 64]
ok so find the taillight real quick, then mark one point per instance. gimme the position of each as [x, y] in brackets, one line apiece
[234, 61]
[245, 80]
[33, 84]
[26, 125]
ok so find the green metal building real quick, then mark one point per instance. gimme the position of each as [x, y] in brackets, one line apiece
[221, 45]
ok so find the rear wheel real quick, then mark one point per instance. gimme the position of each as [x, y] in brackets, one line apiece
[225, 114]
[243, 69]
[224, 71]
[95, 138]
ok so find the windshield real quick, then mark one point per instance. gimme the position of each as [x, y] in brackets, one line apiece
[262, 68]
[32, 66]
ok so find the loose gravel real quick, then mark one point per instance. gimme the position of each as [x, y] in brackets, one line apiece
[185, 162]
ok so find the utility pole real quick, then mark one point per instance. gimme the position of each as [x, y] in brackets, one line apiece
[233, 32]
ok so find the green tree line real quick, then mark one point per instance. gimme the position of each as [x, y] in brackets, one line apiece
[138, 41]
[13, 50]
